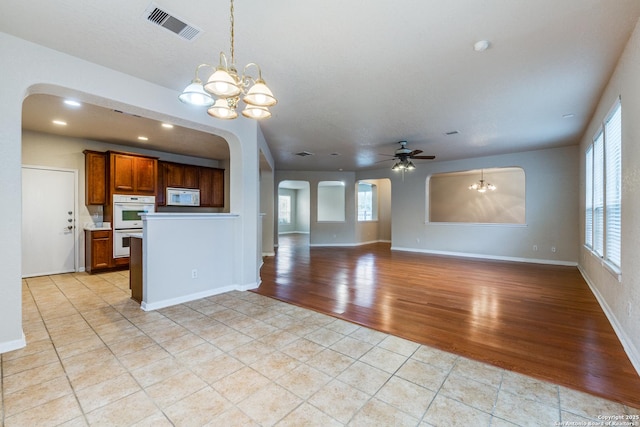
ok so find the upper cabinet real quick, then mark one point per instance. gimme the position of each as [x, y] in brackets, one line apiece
[95, 167]
[212, 187]
[132, 174]
[210, 182]
[180, 176]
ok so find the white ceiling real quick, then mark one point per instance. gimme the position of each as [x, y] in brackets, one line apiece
[354, 77]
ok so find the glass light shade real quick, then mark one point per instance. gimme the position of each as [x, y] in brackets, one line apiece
[259, 94]
[221, 110]
[410, 166]
[222, 84]
[194, 94]
[256, 112]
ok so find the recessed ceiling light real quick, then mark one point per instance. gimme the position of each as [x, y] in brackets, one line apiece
[481, 45]
[143, 138]
[568, 116]
[167, 125]
[59, 122]
[72, 103]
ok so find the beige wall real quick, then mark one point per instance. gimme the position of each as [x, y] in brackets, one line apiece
[620, 299]
[450, 199]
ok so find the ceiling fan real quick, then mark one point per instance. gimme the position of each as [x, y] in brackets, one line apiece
[404, 155]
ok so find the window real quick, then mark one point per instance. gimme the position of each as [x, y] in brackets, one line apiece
[284, 209]
[367, 202]
[603, 190]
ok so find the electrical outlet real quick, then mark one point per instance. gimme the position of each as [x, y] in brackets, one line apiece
[194, 273]
[535, 248]
[553, 249]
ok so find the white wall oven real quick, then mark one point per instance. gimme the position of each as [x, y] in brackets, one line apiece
[127, 220]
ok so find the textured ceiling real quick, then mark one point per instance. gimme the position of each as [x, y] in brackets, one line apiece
[355, 77]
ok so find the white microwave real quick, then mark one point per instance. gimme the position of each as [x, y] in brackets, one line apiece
[183, 197]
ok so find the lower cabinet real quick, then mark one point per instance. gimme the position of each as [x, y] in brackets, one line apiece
[98, 250]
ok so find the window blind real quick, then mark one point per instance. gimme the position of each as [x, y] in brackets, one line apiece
[598, 194]
[588, 199]
[613, 189]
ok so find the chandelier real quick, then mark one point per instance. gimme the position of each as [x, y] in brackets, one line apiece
[482, 186]
[221, 93]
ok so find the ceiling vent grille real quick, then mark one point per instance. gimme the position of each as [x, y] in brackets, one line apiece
[304, 154]
[164, 19]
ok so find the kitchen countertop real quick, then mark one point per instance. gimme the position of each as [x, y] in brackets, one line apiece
[100, 226]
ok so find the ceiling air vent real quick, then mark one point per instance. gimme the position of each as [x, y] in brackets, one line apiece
[160, 17]
[304, 154]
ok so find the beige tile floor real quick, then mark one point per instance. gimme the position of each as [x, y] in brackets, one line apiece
[241, 359]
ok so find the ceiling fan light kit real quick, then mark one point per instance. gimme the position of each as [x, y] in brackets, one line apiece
[224, 87]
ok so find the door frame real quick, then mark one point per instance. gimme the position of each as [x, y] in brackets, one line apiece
[76, 245]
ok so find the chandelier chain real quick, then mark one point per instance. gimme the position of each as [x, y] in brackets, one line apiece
[233, 59]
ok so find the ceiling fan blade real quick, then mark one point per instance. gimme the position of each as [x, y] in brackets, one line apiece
[385, 160]
[414, 152]
[388, 155]
[423, 157]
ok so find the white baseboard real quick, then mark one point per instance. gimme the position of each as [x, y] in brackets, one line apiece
[198, 295]
[627, 344]
[293, 232]
[484, 256]
[13, 345]
[268, 254]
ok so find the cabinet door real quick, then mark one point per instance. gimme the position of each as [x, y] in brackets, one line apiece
[145, 176]
[161, 190]
[211, 187]
[122, 176]
[95, 178]
[174, 175]
[101, 250]
[218, 188]
[191, 176]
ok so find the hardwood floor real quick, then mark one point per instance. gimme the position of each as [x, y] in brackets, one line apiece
[539, 320]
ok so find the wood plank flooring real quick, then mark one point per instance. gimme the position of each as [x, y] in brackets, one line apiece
[538, 320]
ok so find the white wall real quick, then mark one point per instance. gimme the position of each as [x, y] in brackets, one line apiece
[59, 74]
[327, 233]
[176, 245]
[621, 300]
[551, 200]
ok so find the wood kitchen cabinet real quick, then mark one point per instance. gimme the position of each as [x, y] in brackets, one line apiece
[98, 250]
[95, 167]
[210, 182]
[180, 176]
[132, 174]
[211, 187]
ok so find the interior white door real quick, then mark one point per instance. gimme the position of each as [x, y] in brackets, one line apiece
[48, 221]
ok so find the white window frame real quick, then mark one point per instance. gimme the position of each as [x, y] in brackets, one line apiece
[603, 192]
[284, 215]
[367, 202]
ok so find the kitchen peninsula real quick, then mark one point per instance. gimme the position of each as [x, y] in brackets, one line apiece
[188, 256]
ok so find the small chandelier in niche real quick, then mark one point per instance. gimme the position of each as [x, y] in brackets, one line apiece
[482, 186]
[227, 86]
